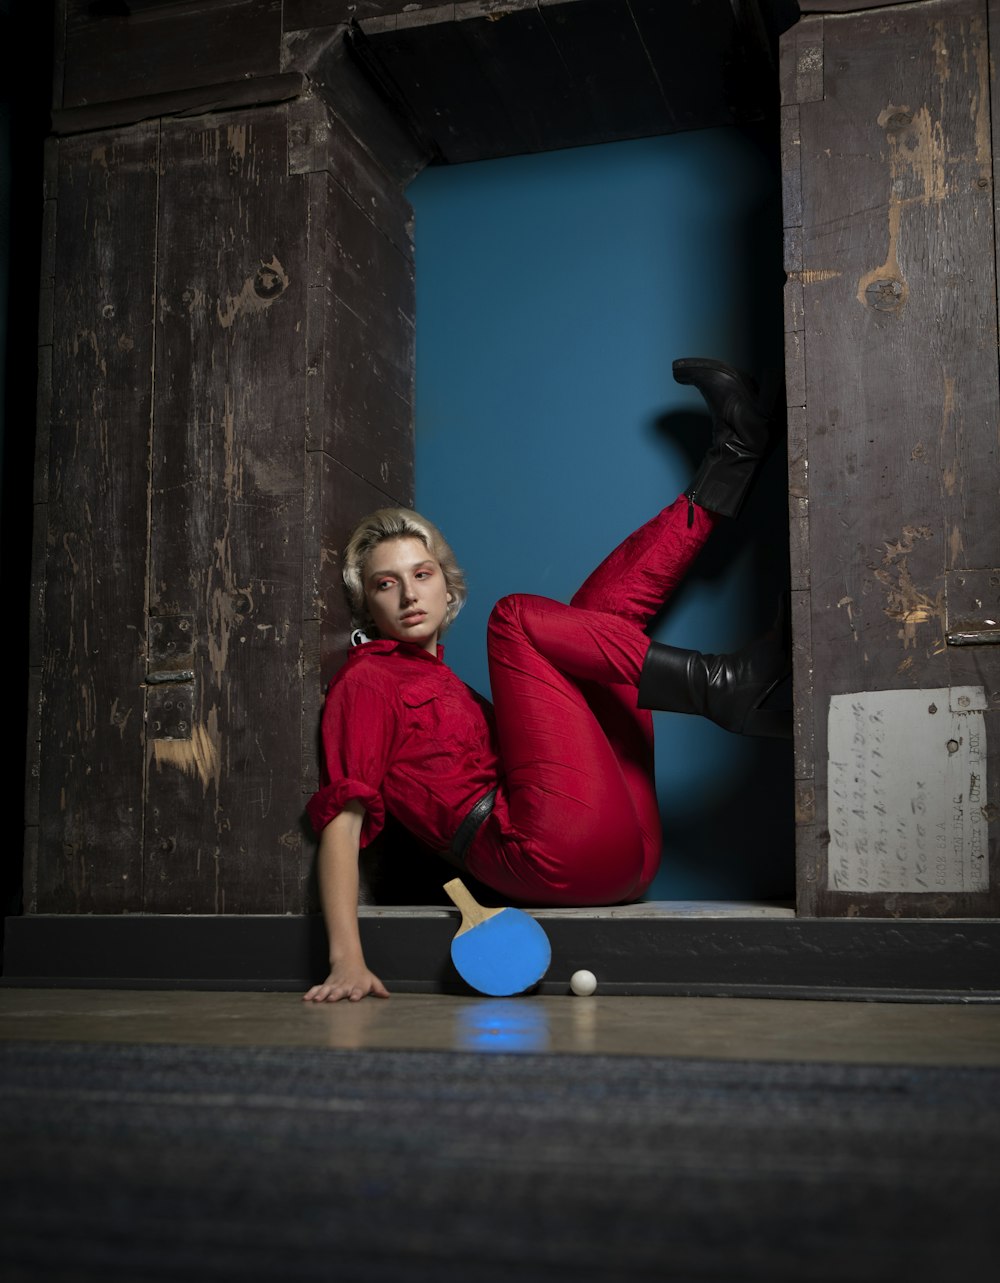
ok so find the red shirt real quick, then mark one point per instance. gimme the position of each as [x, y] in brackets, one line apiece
[401, 733]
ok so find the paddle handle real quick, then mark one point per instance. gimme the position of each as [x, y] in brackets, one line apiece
[473, 913]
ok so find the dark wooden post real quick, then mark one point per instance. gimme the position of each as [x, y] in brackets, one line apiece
[231, 388]
[895, 476]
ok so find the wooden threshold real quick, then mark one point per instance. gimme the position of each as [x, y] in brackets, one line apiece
[676, 949]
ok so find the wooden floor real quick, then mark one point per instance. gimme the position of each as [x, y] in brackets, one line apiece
[717, 1028]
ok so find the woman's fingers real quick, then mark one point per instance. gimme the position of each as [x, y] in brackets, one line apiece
[352, 987]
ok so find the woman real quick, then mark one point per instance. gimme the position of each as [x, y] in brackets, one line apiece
[548, 796]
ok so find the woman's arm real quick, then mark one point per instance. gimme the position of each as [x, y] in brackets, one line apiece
[338, 885]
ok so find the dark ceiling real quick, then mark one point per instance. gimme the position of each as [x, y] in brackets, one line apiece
[501, 77]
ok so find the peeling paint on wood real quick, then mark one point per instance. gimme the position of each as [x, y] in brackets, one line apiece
[904, 601]
[258, 293]
[197, 755]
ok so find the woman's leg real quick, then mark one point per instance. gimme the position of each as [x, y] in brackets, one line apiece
[576, 755]
[577, 752]
[636, 579]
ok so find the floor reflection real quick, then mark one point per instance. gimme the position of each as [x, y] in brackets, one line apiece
[502, 1024]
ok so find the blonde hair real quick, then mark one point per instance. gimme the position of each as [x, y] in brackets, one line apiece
[398, 523]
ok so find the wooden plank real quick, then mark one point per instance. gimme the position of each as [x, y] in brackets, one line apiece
[47, 266]
[481, 79]
[800, 75]
[43, 420]
[36, 604]
[192, 100]
[542, 101]
[299, 14]
[336, 76]
[795, 350]
[359, 405]
[970, 300]
[322, 589]
[798, 497]
[791, 170]
[223, 807]
[319, 141]
[794, 318]
[421, 57]
[970, 437]
[802, 664]
[33, 759]
[900, 322]
[712, 61]
[312, 706]
[774, 956]
[29, 886]
[351, 257]
[167, 47]
[360, 342]
[841, 6]
[599, 42]
[58, 51]
[360, 386]
[798, 482]
[46, 306]
[309, 127]
[91, 756]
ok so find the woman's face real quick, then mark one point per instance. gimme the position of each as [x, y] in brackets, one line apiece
[406, 592]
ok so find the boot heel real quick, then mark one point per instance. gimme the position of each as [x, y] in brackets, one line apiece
[687, 368]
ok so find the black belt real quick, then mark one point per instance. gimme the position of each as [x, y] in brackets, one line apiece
[467, 830]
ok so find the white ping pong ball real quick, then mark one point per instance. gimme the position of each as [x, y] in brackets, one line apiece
[583, 983]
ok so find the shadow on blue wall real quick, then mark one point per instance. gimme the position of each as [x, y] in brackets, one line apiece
[553, 292]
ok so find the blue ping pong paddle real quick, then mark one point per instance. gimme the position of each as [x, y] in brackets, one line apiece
[497, 951]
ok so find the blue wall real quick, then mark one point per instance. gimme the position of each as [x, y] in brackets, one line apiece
[553, 292]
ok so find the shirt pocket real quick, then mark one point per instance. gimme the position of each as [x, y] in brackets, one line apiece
[447, 722]
[423, 712]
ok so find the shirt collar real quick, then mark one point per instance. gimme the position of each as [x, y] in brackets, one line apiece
[386, 645]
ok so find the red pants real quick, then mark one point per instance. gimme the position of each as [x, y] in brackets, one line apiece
[577, 820]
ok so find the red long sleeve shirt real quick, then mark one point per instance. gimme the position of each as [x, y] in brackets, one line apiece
[401, 733]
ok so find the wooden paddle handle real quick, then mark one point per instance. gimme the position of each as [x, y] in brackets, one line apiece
[472, 911]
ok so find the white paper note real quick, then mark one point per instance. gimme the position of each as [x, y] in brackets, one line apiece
[907, 791]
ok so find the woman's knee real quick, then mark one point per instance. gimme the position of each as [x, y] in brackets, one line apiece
[508, 615]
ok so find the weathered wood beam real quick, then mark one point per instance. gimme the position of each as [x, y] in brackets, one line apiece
[196, 101]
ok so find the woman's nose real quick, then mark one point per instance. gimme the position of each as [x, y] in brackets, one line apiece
[407, 592]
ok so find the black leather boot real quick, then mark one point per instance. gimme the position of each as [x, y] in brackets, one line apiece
[742, 432]
[727, 689]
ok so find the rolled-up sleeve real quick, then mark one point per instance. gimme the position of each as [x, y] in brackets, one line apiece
[358, 732]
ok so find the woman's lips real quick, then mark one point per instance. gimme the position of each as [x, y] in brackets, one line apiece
[414, 617]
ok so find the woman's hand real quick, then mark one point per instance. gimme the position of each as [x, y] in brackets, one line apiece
[338, 884]
[347, 980]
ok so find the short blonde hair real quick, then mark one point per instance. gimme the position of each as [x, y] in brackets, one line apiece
[398, 523]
